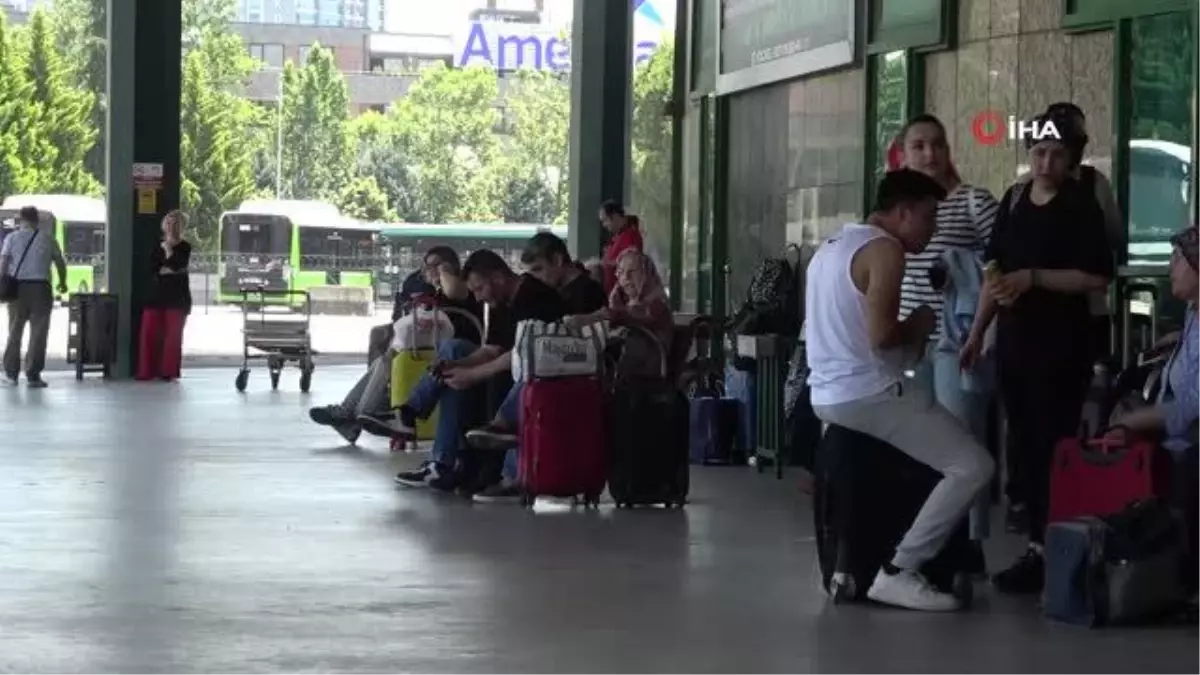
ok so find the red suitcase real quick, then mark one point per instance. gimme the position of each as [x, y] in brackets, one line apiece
[563, 442]
[1102, 476]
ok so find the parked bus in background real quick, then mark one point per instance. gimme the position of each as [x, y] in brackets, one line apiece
[78, 224]
[293, 244]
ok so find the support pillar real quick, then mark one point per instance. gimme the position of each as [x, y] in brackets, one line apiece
[601, 67]
[144, 80]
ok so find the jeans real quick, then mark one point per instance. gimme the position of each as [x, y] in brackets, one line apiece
[455, 405]
[510, 414]
[927, 432]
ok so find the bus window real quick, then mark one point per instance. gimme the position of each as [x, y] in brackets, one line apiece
[249, 235]
[328, 249]
[1160, 193]
[83, 241]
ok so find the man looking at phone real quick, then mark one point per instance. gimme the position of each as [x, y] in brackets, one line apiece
[856, 349]
[462, 368]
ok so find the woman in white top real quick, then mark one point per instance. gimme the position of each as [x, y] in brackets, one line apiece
[964, 223]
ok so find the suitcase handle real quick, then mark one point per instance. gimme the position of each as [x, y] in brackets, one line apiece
[662, 351]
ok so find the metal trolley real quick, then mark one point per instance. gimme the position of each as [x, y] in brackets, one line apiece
[278, 334]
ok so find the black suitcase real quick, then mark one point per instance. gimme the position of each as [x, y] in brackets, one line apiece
[865, 498]
[648, 465]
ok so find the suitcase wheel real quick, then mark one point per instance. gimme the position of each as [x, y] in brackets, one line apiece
[842, 588]
[242, 377]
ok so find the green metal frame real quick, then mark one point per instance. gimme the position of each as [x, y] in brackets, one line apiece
[1086, 15]
[927, 37]
[718, 231]
[679, 93]
[914, 104]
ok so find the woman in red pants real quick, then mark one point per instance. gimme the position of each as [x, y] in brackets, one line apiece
[160, 347]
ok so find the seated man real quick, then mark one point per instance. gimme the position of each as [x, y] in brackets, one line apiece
[547, 258]
[370, 394]
[855, 347]
[462, 366]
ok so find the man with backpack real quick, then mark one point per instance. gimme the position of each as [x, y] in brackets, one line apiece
[856, 350]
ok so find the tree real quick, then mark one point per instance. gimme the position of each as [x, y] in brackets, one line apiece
[537, 181]
[218, 139]
[81, 35]
[363, 199]
[447, 126]
[651, 131]
[316, 150]
[380, 153]
[19, 137]
[63, 113]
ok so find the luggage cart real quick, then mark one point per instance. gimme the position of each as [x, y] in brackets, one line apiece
[278, 334]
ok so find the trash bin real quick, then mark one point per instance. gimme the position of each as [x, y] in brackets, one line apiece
[92, 333]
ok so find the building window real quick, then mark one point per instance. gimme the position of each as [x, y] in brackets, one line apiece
[270, 54]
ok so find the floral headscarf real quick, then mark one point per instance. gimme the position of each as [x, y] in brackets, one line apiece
[652, 289]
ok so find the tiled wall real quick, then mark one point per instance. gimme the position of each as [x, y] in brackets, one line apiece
[1012, 58]
[795, 169]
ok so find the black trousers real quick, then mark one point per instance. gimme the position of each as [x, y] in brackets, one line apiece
[1043, 399]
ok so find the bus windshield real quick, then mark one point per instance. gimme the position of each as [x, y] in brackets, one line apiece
[248, 234]
[83, 240]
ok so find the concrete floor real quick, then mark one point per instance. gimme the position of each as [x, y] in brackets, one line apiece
[185, 528]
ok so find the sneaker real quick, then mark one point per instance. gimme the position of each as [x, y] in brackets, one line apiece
[504, 492]
[36, 383]
[329, 415]
[1016, 519]
[430, 474]
[350, 432]
[1026, 576]
[402, 424]
[910, 590]
[491, 437]
[9, 381]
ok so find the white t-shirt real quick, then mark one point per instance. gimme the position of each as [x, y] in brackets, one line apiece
[36, 265]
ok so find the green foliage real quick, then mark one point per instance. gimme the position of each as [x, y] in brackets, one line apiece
[536, 185]
[380, 152]
[61, 112]
[446, 127]
[651, 152]
[363, 199]
[81, 31]
[317, 155]
[19, 137]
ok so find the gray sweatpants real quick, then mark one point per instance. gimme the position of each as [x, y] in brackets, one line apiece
[371, 394]
[928, 433]
[33, 305]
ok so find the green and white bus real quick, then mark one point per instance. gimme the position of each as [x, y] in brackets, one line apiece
[78, 224]
[293, 245]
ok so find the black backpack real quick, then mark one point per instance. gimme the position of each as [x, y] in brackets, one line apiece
[772, 303]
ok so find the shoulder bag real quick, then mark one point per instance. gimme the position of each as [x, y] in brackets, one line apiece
[8, 282]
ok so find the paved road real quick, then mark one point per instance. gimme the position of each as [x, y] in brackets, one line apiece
[217, 332]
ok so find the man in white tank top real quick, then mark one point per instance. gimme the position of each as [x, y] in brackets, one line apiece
[855, 345]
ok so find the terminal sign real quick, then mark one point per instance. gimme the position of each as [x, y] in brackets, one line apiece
[514, 46]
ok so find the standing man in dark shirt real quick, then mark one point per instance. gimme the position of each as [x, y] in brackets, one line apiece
[547, 258]
[463, 366]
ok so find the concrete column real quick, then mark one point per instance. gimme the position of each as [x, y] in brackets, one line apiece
[601, 67]
[144, 79]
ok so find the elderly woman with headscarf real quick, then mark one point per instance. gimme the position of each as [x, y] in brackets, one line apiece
[638, 299]
[1048, 252]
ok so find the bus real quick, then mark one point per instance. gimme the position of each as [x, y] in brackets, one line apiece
[401, 245]
[1160, 175]
[293, 245]
[78, 224]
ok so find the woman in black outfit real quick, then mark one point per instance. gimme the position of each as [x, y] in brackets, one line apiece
[1050, 245]
[160, 345]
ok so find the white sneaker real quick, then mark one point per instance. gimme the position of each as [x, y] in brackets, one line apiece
[910, 590]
